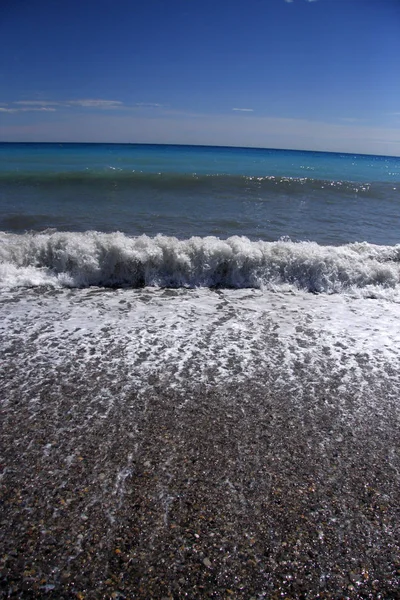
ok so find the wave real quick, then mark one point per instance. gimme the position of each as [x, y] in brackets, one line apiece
[181, 181]
[115, 260]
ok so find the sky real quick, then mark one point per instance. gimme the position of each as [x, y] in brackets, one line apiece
[301, 74]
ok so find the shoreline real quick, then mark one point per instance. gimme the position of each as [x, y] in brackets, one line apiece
[199, 444]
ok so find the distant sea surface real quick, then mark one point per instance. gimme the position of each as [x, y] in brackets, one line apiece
[201, 372]
[184, 191]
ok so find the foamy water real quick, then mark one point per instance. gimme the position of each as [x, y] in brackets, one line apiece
[201, 336]
[116, 260]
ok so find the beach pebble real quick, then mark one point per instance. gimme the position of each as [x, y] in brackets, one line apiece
[354, 577]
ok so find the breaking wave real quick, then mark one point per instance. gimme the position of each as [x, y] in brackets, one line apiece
[115, 260]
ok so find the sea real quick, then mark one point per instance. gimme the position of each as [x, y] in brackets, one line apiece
[200, 372]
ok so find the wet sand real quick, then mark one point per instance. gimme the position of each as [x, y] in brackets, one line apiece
[204, 493]
[145, 455]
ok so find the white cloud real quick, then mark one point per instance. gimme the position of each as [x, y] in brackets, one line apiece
[149, 104]
[244, 109]
[91, 103]
[42, 103]
[50, 105]
[43, 108]
[28, 109]
[85, 103]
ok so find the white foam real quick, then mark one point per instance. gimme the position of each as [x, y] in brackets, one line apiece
[113, 260]
[201, 336]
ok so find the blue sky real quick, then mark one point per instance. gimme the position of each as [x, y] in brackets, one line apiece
[312, 74]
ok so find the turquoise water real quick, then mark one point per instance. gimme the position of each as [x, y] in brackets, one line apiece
[186, 190]
[203, 160]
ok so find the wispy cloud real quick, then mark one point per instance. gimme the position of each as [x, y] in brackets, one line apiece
[95, 103]
[244, 109]
[85, 103]
[52, 105]
[27, 109]
[149, 104]
[33, 103]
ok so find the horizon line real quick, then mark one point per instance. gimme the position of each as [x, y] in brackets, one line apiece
[61, 143]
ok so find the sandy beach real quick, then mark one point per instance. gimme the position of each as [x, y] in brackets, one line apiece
[241, 489]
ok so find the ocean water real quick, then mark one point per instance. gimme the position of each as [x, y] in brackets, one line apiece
[185, 191]
[201, 372]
